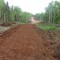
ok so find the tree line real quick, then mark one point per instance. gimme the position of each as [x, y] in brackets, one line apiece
[13, 13]
[51, 14]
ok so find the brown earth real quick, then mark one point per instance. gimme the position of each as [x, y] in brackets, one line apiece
[53, 37]
[25, 42]
[6, 24]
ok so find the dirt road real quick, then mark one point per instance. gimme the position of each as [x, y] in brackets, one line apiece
[24, 42]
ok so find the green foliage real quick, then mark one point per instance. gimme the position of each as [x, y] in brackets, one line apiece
[12, 14]
[52, 13]
[37, 16]
[17, 13]
[6, 12]
[25, 17]
[3, 28]
[1, 3]
[1, 9]
[48, 27]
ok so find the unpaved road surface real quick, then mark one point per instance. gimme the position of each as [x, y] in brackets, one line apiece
[24, 42]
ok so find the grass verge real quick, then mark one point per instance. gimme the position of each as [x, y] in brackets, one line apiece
[48, 27]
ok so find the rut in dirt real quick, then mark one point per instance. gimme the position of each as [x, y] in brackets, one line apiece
[24, 42]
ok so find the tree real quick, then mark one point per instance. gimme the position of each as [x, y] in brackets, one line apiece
[1, 10]
[12, 14]
[6, 12]
[17, 13]
[25, 17]
[52, 13]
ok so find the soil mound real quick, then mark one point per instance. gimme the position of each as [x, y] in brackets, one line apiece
[6, 24]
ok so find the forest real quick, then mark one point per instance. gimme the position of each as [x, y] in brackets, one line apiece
[51, 14]
[12, 13]
[15, 13]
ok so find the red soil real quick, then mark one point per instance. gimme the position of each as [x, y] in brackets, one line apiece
[24, 42]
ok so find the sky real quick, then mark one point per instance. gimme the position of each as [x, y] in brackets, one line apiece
[32, 6]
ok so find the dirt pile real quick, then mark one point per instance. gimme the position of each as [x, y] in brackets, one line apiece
[25, 42]
[53, 37]
[6, 24]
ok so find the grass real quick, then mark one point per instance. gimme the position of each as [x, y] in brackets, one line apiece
[48, 27]
[3, 28]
